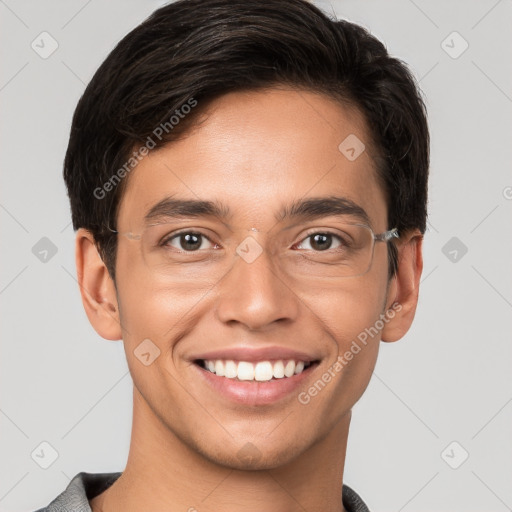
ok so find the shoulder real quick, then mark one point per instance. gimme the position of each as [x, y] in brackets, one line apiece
[352, 501]
[82, 488]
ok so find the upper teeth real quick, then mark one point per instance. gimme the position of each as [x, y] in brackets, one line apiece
[260, 371]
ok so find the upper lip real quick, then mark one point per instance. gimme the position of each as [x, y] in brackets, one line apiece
[256, 354]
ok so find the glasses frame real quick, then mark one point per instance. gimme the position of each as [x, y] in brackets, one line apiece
[385, 236]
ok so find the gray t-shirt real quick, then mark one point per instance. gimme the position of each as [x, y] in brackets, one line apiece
[86, 486]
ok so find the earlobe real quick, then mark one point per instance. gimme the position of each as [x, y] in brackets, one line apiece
[96, 288]
[404, 290]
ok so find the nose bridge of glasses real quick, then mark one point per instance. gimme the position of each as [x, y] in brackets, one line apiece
[249, 244]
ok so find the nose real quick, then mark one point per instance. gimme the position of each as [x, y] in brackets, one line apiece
[255, 294]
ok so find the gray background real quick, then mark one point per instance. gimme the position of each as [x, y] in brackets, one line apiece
[448, 380]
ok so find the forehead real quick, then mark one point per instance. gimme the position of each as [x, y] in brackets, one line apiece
[257, 152]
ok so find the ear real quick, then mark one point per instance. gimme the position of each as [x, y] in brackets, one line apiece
[97, 288]
[404, 286]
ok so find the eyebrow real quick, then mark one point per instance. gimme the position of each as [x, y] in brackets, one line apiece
[306, 209]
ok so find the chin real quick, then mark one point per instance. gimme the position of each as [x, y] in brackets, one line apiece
[257, 456]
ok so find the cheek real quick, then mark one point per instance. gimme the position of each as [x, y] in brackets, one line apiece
[149, 310]
[155, 318]
[350, 320]
[153, 321]
[349, 308]
[350, 316]
[149, 307]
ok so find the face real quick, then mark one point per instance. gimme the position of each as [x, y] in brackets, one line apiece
[256, 154]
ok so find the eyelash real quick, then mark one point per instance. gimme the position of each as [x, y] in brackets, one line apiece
[173, 236]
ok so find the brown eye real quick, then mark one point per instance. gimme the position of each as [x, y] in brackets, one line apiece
[320, 241]
[188, 241]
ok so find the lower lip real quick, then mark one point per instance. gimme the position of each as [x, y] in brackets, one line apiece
[255, 392]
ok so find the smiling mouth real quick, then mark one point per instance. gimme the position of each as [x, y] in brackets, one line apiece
[261, 371]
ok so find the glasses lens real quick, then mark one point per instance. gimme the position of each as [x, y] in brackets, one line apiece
[342, 252]
[185, 255]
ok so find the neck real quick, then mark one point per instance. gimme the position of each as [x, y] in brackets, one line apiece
[162, 470]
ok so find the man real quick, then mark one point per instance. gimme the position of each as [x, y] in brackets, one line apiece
[248, 182]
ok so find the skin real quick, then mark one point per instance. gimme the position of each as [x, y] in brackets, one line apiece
[255, 151]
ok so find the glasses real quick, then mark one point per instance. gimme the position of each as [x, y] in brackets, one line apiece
[343, 250]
